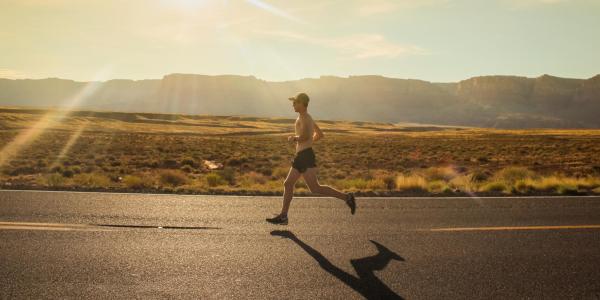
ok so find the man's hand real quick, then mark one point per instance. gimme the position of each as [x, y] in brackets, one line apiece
[318, 132]
[291, 138]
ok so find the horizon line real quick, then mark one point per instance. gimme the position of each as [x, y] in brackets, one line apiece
[320, 77]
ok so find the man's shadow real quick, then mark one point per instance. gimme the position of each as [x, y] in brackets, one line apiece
[367, 284]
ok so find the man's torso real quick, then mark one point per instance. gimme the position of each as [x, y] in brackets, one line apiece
[304, 123]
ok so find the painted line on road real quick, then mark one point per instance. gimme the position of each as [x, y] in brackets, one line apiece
[86, 227]
[50, 226]
[517, 228]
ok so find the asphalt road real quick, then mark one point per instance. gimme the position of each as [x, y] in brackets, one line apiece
[103, 245]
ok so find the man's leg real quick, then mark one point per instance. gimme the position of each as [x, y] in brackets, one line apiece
[288, 189]
[310, 177]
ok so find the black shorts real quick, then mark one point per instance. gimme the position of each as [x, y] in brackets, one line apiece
[304, 159]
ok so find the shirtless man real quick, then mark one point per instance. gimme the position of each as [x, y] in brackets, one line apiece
[304, 163]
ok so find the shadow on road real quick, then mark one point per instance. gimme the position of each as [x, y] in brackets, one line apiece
[367, 284]
[154, 226]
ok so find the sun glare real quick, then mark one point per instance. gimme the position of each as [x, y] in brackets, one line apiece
[185, 4]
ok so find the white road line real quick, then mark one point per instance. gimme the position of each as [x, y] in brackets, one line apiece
[517, 228]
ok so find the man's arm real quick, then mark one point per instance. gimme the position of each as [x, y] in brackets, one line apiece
[318, 133]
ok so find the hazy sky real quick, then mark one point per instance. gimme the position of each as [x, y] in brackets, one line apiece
[434, 40]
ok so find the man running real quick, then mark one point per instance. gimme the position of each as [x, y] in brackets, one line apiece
[304, 162]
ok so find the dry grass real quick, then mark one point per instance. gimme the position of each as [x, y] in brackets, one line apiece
[411, 183]
[117, 151]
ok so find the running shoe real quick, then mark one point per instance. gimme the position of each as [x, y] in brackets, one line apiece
[278, 220]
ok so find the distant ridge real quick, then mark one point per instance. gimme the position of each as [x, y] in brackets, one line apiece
[484, 101]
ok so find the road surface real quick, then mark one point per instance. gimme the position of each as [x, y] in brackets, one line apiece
[148, 246]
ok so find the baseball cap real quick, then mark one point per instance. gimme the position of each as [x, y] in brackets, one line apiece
[301, 97]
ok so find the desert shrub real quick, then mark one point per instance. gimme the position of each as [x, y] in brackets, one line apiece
[252, 178]
[92, 180]
[228, 175]
[54, 180]
[68, 173]
[22, 170]
[236, 161]
[376, 184]
[480, 175]
[524, 185]
[187, 169]
[56, 169]
[513, 173]
[390, 182]
[463, 183]
[134, 182]
[172, 177]
[89, 169]
[410, 183]
[214, 179]
[189, 162]
[76, 170]
[41, 163]
[549, 183]
[439, 173]
[437, 186]
[169, 163]
[567, 189]
[280, 172]
[494, 186]
[355, 183]
[266, 170]
[587, 182]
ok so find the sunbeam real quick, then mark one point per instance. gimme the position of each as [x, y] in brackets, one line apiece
[74, 137]
[274, 10]
[51, 118]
